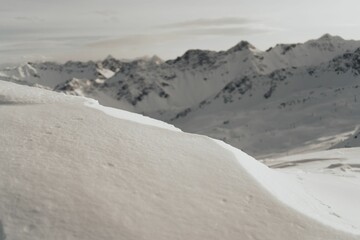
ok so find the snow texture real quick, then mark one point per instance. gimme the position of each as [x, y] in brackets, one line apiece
[69, 171]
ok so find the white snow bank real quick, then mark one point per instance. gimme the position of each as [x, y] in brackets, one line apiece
[134, 117]
[12, 93]
[68, 172]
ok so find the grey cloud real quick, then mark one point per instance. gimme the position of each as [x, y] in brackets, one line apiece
[72, 38]
[105, 12]
[209, 22]
[29, 19]
[7, 33]
[133, 40]
[227, 26]
[5, 10]
[108, 15]
[142, 39]
[24, 33]
[233, 31]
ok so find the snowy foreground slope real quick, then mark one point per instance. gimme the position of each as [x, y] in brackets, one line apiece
[70, 171]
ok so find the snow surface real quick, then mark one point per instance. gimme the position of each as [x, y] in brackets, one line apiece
[306, 192]
[69, 171]
[332, 177]
[134, 117]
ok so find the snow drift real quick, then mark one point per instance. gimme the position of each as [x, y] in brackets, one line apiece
[72, 172]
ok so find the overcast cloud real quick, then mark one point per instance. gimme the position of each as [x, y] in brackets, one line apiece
[92, 29]
[209, 22]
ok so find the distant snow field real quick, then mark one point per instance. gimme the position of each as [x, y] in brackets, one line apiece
[73, 169]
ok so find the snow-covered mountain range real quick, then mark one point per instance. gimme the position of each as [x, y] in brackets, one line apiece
[289, 98]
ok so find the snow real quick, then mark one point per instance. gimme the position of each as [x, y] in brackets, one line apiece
[51, 74]
[129, 116]
[322, 197]
[352, 139]
[332, 177]
[106, 72]
[70, 171]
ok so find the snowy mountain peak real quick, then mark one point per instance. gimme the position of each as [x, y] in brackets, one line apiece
[156, 59]
[109, 57]
[330, 43]
[283, 48]
[195, 58]
[241, 46]
[329, 37]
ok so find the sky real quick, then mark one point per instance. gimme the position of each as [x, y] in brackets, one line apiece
[39, 30]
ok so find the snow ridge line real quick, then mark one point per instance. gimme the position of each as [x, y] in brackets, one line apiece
[129, 116]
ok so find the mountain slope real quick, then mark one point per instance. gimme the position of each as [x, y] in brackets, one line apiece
[286, 111]
[70, 172]
[353, 140]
